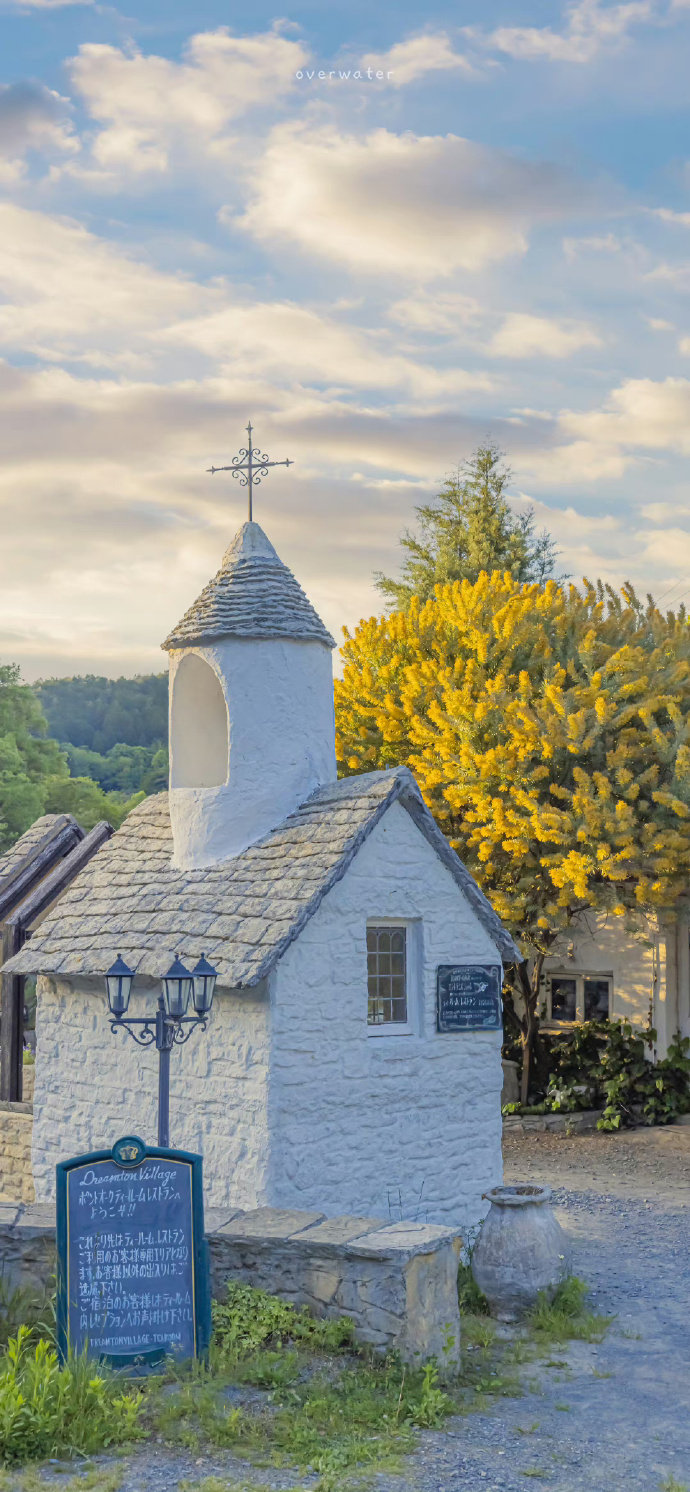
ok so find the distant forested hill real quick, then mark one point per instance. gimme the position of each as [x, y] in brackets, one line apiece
[98, 713]
[112, 731]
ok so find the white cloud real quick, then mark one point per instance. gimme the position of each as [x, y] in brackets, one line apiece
[41, 4]
[640, 414]
[605, 243]
[668, 215]
[287, 341]
[523, 335]
[589, 28]
[641, 419]
[66, 292]
[417, 206]
[32, 118]
[52, 273]
[442, 311]
[153, 109]
[419, 55]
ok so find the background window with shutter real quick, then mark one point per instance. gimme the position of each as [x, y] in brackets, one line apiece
[387, 975]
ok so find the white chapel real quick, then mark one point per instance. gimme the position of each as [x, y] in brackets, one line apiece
[327, 908]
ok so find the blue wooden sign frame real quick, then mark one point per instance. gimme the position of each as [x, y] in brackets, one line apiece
[129, 1153]
[469, 1008]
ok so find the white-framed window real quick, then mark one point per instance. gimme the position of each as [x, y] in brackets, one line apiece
[572, 997]
[388, 978]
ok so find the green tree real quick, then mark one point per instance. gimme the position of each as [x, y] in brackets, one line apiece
[101, 713]
[469, 528]
[549, 730]
[124, 769]
[87, 802]
[27, 757]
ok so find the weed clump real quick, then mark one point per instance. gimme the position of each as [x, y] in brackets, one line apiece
[51, 1410]
[564, 1316]
[249, 1319]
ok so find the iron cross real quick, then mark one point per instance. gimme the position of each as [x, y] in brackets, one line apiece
[250, 466]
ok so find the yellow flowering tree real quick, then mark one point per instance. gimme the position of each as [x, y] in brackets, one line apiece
[548, 729]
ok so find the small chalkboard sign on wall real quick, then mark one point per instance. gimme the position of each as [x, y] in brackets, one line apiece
[468, 997]
[133, 1277]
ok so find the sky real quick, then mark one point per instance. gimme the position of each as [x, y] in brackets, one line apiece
[383, 233]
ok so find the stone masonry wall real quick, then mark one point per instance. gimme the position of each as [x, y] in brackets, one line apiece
[16, 1123]
[390, 1126]
[93, 1085]
[398, 1283]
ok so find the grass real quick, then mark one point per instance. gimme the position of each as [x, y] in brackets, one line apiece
[51, 1410]
[566, 1317]
[21, 1306]
[671, 1485]
[93, 1479]
[280, 1389]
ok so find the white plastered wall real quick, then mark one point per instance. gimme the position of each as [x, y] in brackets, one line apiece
[606, 944]
[355, 1118]
[93, 1086]
[279, 696]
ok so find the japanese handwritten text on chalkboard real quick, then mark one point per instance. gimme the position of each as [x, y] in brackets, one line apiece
[129, 1257]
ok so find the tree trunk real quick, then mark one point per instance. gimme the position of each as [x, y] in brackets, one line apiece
[529, 990]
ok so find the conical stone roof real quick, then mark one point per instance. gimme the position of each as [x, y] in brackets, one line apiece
[253, 595]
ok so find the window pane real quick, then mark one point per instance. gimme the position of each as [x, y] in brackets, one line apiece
[597, 999]
[563, 998]
[386, 970]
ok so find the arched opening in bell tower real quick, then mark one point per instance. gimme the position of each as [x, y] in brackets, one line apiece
[199, 755]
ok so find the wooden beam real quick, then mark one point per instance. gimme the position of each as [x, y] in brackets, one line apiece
[11, 1019]
[17, 928]
[34, 866]
[56, 882]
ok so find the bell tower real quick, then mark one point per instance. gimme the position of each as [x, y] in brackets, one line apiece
[252, 729]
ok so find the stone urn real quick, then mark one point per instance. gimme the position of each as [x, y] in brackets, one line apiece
[521, 1249]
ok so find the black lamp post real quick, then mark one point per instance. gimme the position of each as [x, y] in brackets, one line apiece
[165, 1029]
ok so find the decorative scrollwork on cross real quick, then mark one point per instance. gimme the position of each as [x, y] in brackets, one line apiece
[249, 467]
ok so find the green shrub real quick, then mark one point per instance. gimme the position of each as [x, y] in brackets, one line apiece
[250, 1319]
[50, 1410]
[607, 1064]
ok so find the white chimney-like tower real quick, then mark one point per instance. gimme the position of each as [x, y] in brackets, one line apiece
[252, 730]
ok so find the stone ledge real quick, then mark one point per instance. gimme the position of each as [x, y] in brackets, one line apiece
[527, 1124]
[398, 1281]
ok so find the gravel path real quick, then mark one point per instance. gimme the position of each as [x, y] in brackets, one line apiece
[617, 1418]
[612, 1417]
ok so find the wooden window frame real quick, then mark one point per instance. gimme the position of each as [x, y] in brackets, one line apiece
[395, 1028]
[579, 976]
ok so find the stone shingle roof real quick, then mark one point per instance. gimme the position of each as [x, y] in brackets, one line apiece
[43, 828]
[253, 595]
[243, 913]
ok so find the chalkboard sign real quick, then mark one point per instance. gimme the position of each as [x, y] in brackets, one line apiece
[468, 997]
[133, 1278]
